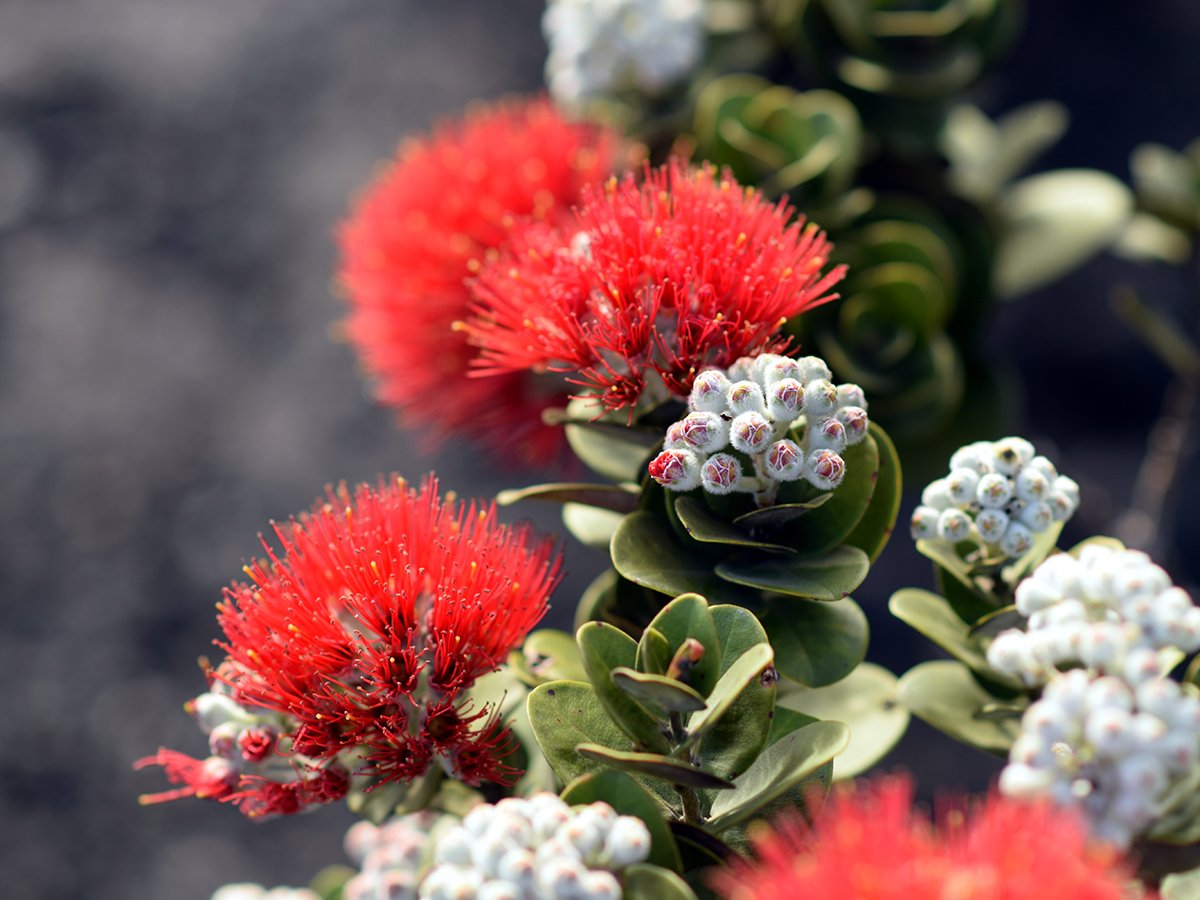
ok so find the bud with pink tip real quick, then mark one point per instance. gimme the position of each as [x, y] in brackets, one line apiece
[750, 433]
[721, 474]
[825, 469]
[704, 431]
[785, 400]
[785, 461]
[708, 392]
[676, 470]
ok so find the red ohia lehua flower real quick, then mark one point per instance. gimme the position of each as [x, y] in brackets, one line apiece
[362, 635]
[414, 236]
[868, 844]
[654, 281]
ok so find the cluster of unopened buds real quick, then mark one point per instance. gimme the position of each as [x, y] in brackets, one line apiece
[782, 416]
[536, 848]
[998, 494]
[246, 765]
[392, 856]
[1114, 749]
[1113, 611]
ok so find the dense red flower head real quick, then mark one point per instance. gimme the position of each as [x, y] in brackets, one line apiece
[411, 240]
[382, 607]
[653, 280]
[868, 844]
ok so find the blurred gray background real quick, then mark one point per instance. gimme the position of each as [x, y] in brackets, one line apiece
[170, 173]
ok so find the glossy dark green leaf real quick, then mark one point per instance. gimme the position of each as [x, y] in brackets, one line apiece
[874, 529]
[610, 497]
[704, 526]
[565, 714]
[628, 798]
[604, 648]
[945, 695]
[685, 617]
[868, 701]
[737, 739]
[827, 527]
[654, 765]
[780, 768]
[744, 672]
[645, 552]
[830, 576]
[643, 882]
[657, 693]
[816, 643]
[762, 522]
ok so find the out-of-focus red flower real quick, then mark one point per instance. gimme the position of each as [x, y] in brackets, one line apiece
[383, 606]
[654, 282]
[868, 844]
[416, 233]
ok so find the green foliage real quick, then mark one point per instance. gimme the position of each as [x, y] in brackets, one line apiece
[946, 695]
[624, 795]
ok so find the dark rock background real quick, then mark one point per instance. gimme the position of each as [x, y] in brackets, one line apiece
[170, 173]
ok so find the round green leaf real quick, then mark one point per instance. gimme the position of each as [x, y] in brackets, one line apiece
[825, 528]
[565, 714]
[628, 798]
[616, 454]
[592, 527]
[685, 617]
[933, 617]
[658, 693]
[764, 521]
[654, 765]
[781, 767]
[874, 529]
[736, 740]
[868, 701]
[830, 576]
[816, 644]
[945, 695]
[744, 673]
[603, 648]
[547, 655]
[703, 526]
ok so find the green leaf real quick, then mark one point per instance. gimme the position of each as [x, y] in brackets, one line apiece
[565, 714]
[1181, 886]
[610, 497]
[737, 739]
[874, 529]
[825, 528]
[868, 701]
[764, 521]
[604, 648]
[628, 798]
[644, 551]
[933, 617]
[816, 643]
[597, 598]
[617, 455]
[654, 765]
[945, 695]
[643, 882]
[780, 768]
[328, 883]
[592, 527]
[547, 655]
[685, 617]
[653, 652]
[1056, 221]
[831, 576]
[657, 692]
[744, 672]
[703, 526]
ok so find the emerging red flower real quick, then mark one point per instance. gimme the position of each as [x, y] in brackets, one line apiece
[868, 844]
[358, 640]
[414, 236]
[654, 282]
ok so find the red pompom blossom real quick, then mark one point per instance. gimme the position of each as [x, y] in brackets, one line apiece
[654, 282]
[362, 635]
[868, 844]
[414, 236]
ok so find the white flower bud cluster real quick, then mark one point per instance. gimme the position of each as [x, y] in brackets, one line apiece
[785, 414]
[391, 856]
[1110, 747]
[248, 891]
[535, 848]
[600, 47]
[998, 494]
[1111, 611]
